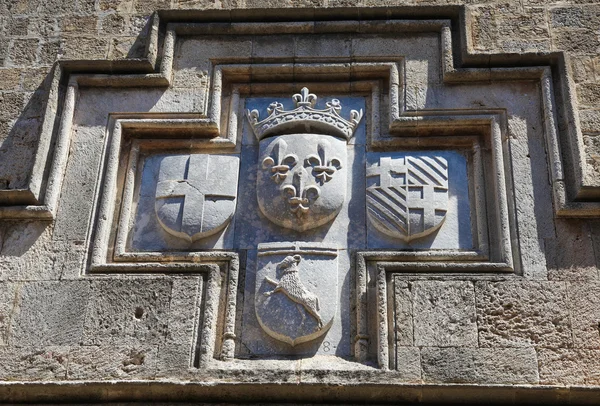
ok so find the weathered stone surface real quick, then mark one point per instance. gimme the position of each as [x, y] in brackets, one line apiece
[24, 51]
[403, 313]
[570, 255]
[10, 78]
[444, 314]
[176, 354]
[50, 313]
[9, 299]
[480, 365]
[84, 48]
[569, 366]
[408, 363]
[39, 363]
[584, 304]
[127, 311]
[522, 314]
[112, 362]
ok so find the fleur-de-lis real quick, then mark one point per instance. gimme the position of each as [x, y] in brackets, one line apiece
[301, 194]
[304, 98]
[275, 106]
[323, 170]
[281, 163]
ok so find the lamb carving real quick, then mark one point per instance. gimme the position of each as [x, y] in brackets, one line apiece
[292, 287]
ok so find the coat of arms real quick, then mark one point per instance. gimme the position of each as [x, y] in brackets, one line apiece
[296, 290]
[301, 182]
[194, 196]
[407, 197]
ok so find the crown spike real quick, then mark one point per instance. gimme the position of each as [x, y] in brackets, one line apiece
[305, 118]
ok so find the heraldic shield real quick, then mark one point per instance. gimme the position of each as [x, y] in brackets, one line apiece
[407, 196]
[301, 181]
[195, 197]
[296, 290]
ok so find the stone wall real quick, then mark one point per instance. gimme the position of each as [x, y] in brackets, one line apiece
[522, 323]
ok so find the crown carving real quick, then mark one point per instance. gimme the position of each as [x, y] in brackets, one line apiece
[305, 118]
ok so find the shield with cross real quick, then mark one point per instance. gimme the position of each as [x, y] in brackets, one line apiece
[407, 194]
[195, 194]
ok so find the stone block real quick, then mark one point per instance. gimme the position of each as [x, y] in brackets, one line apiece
[588, 94]
[567, 17]
[43, 27]
[84, 48]
[570, 255]
[50, 313]
[584, 302]
[143, 6]
[190, 78]
[49, 51]
[26, 251]
[480, 365]
[444, 314]
[115, 5]
[592, 157]
[590, 121]
[17, 26]
[23, 51]
[40, 363]
[127, 311]
[126, 47]
[34, 78]
[176, 353]
[323, 46]
[79, 25]
[113, 24]
[11, 104]
[10, 78]
[403, 313]
[408, 364]
[9, 298]
[521, 314]
[564, 366]
[79, 187]
[585, 68]
[576, 41]
[456, 365]
[112, 362]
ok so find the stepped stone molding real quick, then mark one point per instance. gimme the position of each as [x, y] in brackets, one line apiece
[395, 121]
[573, 197]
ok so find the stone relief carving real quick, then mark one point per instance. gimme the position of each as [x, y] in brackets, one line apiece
[323, 168]
[409, 196]
[301, 183]
[280, 163]
[305, 118]
[296, 290]
[195, 197]
[292, 287]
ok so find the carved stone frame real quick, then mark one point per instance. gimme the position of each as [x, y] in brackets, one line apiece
[127, 134]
